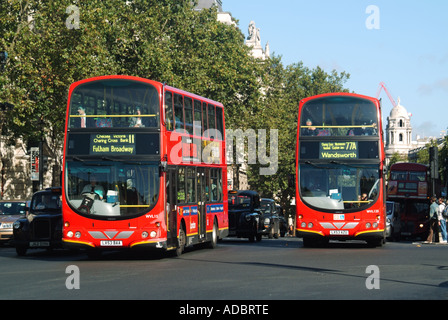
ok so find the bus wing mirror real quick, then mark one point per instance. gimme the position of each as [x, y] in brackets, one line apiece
[163, 166]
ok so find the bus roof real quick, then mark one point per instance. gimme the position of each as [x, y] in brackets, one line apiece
[338, 94]
[156, 83]
[405, 166]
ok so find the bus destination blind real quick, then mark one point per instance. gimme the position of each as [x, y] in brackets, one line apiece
[338, 150]
[112, 144]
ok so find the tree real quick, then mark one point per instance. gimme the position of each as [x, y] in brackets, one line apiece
[284, 87]
[164, 40]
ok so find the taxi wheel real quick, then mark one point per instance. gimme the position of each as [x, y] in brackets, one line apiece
[21, 250]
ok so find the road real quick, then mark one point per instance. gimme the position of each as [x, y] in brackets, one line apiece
[279, 269]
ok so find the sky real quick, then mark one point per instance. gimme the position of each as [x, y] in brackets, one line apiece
[401, 43]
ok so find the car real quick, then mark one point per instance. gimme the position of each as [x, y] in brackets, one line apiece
[10, 211]
[270, 220]
[245, 215]
[42, 227]
[393, 223]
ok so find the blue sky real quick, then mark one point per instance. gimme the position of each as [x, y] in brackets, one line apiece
[409, 51]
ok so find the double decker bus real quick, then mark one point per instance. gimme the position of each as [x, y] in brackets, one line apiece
[144, 167]
[339, 170]
[409, 188]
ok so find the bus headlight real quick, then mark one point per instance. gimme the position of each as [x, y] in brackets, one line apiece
[78, 234]
[303, 224]
[70, 234]
[153, 234]
[368, 225]
[17, 225]
[310, 225]
[375, 225]
[145, 234]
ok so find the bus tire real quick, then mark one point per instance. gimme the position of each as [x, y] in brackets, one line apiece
[214, 242]
[181, 241]
[375, 243]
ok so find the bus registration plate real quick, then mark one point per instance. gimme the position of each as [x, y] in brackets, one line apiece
[110, 243]
[339, 232]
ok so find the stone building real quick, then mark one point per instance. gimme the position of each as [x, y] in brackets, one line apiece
[254, 41]
[399, 133]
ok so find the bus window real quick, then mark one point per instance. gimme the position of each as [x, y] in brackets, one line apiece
[188, 115]
[339, 116]
[181, 185]
[169, 111]
[207, 186]
[191, 188]
[197, 118]
[215, 186]
[101, 104]
[219, 123]
[211, 117]
[179, 112]
[204, 118]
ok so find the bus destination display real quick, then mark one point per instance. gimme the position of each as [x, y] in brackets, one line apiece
[338, 150]
[112, 144]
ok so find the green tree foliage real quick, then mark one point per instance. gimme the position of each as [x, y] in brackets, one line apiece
[163, 40]
[284, 88]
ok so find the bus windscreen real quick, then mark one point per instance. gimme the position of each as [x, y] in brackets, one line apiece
[114, 103]
[339, 116]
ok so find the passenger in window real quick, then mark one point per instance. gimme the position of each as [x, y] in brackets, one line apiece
[83, 121]
[371, 130]
[309, 130]
[324, 133]
[137, 121]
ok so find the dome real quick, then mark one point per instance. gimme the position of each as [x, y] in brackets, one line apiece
[399, 111]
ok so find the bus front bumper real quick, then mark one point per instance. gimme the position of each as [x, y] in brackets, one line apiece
[143, 245]
[364, 235]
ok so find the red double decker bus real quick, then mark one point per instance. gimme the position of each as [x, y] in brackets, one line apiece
[339, 170]
[144, 167]
[409, 188]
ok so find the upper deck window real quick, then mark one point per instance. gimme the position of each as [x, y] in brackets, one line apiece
[339, 116]
[114, 103]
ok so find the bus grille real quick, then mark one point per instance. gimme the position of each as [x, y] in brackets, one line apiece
[41, 228]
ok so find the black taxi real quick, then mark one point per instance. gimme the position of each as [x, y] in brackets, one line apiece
[245, 215]
[42, 226]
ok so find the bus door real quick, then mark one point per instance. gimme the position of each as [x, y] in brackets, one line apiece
[201, 192]
[171, 205]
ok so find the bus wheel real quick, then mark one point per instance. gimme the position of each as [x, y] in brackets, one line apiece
[181, 241]
[214, 242]
[375, 243]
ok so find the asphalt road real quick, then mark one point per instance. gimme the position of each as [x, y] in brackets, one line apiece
[270, 270]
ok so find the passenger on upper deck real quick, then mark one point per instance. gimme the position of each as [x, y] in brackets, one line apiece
[309, 130]
[83, 121]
